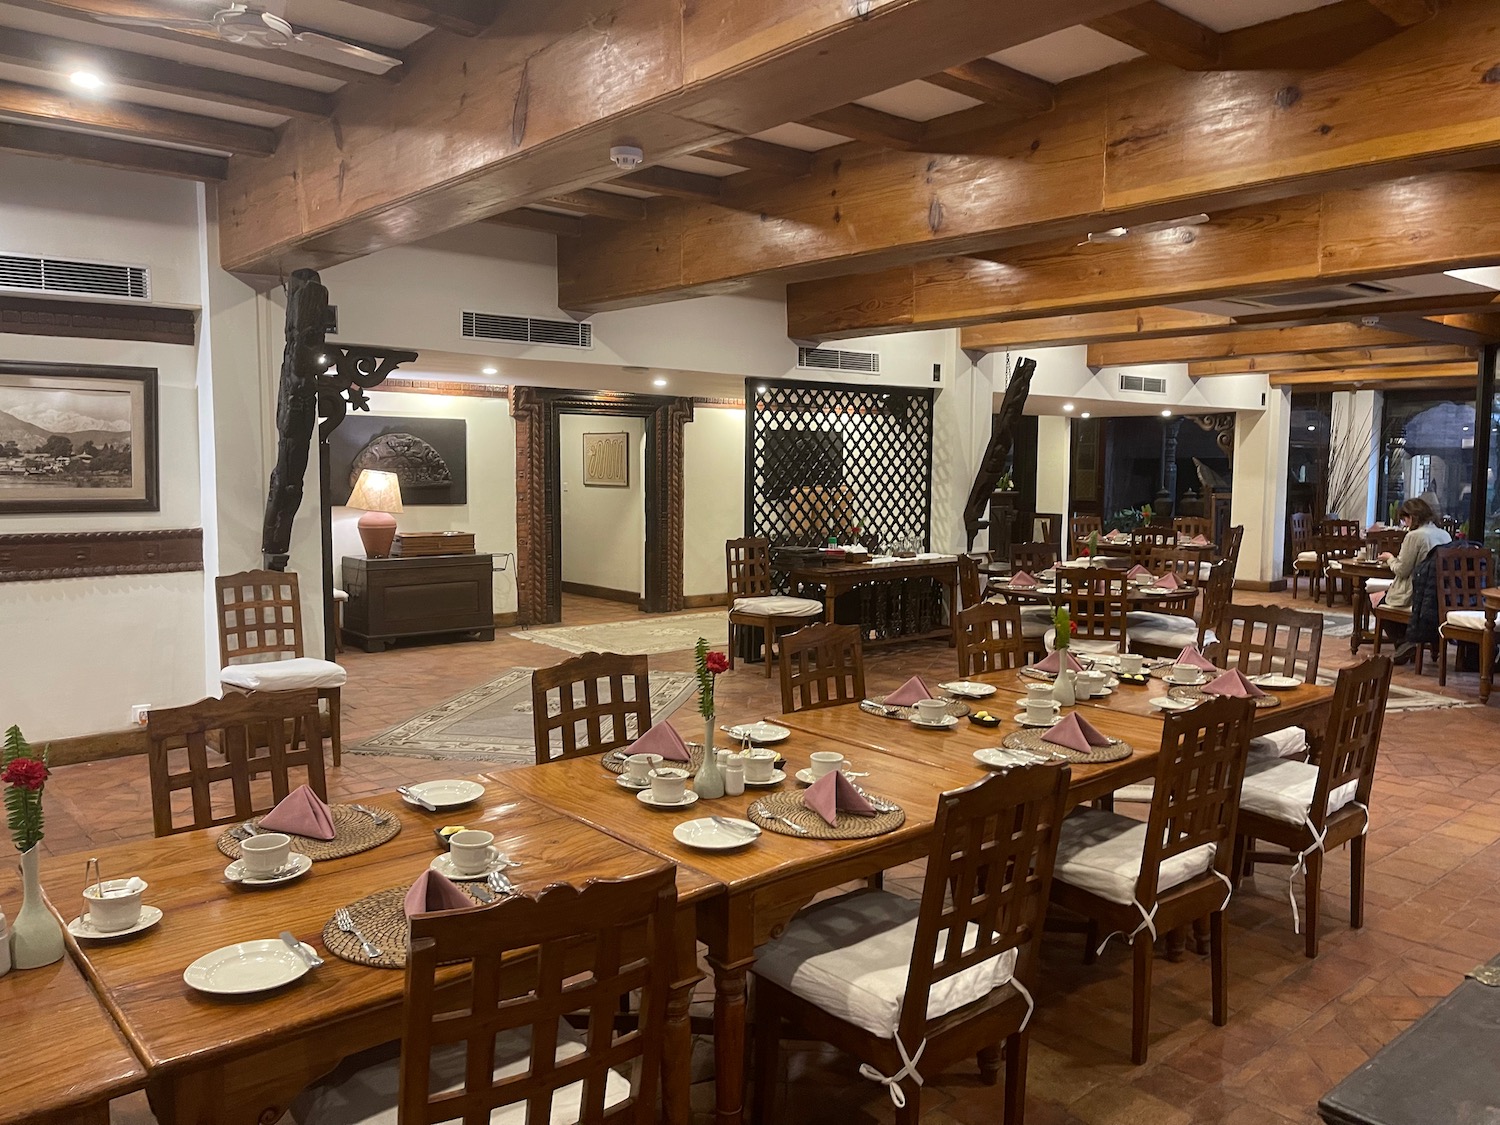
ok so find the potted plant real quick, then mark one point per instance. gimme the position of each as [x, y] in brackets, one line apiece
[36, 938]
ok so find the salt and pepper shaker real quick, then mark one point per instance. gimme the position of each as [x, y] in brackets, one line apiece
[733, 766]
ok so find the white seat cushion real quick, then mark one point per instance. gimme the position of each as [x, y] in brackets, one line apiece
[1101, 852]
[367, 1095]
[1166, 629]
[1288, 742]
[284, 675]
[1466, 618]
[1373, 584]
[1089, 646]
[1307, 557]
[1283, 790]
[340, 595]
[1036, 620]
[850, 956]
[779, 606]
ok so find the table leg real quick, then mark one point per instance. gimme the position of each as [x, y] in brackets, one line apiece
[1487, 654]
[1361, 608]
[677, 1055]
[729, 1039]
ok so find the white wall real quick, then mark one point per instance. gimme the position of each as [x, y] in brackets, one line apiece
[603, 529]
[713, 497]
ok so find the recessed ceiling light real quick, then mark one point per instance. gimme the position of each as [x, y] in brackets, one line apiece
[86, 80]
[1085, 414]
[489, 370]
[1067, 408]
[1166, 414]
[760, 390]
[658, 382]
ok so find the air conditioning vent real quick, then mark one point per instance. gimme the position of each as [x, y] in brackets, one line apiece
[528, 330]
[1144, 384]
[62, 275]
[834, 359]
[1328, 295]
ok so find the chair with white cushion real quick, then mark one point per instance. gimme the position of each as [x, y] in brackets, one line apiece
[1155, 633]
[1098, 608]
[1308, 809]
[1138, 879]
[910, 988]
[747, 565]
[1261, 640]
[522, 958]
[1462, 572]
[989, 639]
[1304, 556]
[1337, 540]
[821, 666]
[260, 642]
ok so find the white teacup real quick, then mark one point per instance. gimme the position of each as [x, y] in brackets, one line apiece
[825, 762]
[1039, 692]
[669, 786]
[1040, 710]
[760, 765]
[109, 906]
[638, 767]
[1091, 683]
[469, 850]
[265, 853]
[1185, 674]
[931, 710]
[1131, 663]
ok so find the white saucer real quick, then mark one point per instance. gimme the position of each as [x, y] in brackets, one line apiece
[1199, 682]
[449, 794]
[1025, 722]
[760, 732]
[969, 689]
[79, 928]
[776, 778]
[631, 783]
[1275, 682]
[1098, 694]
[947, 722]
[443, 865]
[249, 966]
[707, 836]
[297, 865]
[645, 798]
[1167, 703]
[806, 777]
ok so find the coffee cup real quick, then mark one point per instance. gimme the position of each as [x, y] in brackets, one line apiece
[1091, 683]
[825, 762]
[469, 851]
[669, 786]
[931, 710]
[1040, 710]
[760, 765]
[112, 905]
[638, 767]
[1131, 663]
[1185, 674]
[265, 853]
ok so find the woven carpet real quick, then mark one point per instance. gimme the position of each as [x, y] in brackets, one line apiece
[641, 636]
[492, 723]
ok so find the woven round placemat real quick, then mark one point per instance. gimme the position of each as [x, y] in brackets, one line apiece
[849, 826]
[614, 761]
[381, 917]
[1031, 739]
[1262, 703]
[353, 832]
[1162, 673]
[956, 707]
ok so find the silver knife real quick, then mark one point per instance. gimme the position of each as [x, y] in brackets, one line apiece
[482, 892]
[748, 831]
[412, 795]
[312, 959]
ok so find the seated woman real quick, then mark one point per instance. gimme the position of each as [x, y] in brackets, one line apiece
[1422, 536]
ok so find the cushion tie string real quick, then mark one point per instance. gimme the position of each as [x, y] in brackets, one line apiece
[1148, 920]
[1315, 846]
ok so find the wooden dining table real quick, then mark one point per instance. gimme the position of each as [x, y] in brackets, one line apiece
[1359, 572]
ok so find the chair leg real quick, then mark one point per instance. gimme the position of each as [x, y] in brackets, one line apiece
[911, 1112]
[731, 646]
[1421, 650]
[1237, 863]
[1357, 883]
[335, 728]
[1442, 662]
[989, 1064]
[1313, 884]
[1140, 1017]
[1249, 861]
[770, 645]
[1091, 942]
[1219, 967]
[1015, 1078]
[766, 1062]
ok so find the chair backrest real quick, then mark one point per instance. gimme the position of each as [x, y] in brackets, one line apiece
[1169, 560]
[1081, 527]
[1339, 529]
[1047, 527]
[970, 583]
[259, 614]
[747, 568]
[1188, 526]
[821, 666]
[1218, 590]
[989, 639]
[1302, 532]
[1263, 639]
[1230, 548]
[611, 719]
[995, 842]
[265, 734]
[1097, 604]
[1144, 540]
[1196, 798]
[1032, 557]
[1351, 740]
[591, 946]
[1463, 570]
[1388, 539]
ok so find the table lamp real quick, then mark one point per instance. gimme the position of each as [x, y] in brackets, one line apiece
[379, 494]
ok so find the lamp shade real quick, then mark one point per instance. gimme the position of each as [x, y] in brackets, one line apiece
[376, 491]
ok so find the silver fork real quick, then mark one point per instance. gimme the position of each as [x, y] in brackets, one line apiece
[500, 884]
[792, 824]
[876, 803]
[374, 814]
[244, 831]
[343, 920]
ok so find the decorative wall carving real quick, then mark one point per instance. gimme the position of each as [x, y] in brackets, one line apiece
[44, 556]
[1222, 427]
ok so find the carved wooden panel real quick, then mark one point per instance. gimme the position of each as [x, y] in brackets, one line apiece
[34, 316]
[96, 554]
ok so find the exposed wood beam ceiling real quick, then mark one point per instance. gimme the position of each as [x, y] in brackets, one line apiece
[1248, 343]
[80, 148]
[1470, 330]
[995, 84]
[671, 182]
[759, 156]
[564, 226]
[1346, 359]
[462, 17]
[1438, 376]
[601, 204]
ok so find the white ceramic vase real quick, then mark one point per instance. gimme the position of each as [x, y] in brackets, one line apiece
[36, 938]
[709, 782]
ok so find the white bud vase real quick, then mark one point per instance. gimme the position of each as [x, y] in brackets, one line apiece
[36, 938]
[1062, 687]
[709, 782]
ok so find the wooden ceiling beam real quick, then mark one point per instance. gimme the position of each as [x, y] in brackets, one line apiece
[1342, 359]
[1090, 328]
[670, 182]
[130, 71]
[106, 152]
[1430, 377]
[1233, 345]
[869, 125]
[1164, 34]
[994, 83]
[462, 17]
[565, 226]
[1309, 40]
[600, 204]
[36, 105]
[1470, 330]
[760, 156]
[1405, 12]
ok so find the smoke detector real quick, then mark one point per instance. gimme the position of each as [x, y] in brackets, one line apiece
[626, 156]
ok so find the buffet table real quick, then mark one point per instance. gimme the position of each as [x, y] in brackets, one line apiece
[893, 603]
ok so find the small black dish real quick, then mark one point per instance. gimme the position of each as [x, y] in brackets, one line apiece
[1128, 679]
[992, 721]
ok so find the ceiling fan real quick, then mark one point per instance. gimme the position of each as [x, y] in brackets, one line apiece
[257, 27]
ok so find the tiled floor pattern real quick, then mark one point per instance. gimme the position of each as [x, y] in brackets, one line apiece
[1296, 1026]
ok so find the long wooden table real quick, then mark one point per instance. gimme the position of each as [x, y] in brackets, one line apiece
[840, 578]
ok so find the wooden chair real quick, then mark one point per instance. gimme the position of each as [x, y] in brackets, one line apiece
[1154, 633]
[821, 666]
[989, 639]
[259, 616]
[1188, 526]
[1304, 555]
[1079, 530]
[990, 868]
[970, 583]
[1144, 540]
[1387, 540]
[1230, 548]
[228, 744]
[1184, 850]
[495, 1036]
[1032, 557]
[1263, 639]
[1337, 540]
[753, 606]
[1099, 608]
[1169, 560]
[1462, 572]
[606, 715]
[1308, 809]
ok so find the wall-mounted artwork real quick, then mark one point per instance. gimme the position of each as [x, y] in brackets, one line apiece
[606, 460]
[77, 438]
[428, 455]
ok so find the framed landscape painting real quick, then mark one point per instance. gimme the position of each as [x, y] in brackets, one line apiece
[77, 438]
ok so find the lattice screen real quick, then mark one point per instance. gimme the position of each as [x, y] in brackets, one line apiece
[823, 459]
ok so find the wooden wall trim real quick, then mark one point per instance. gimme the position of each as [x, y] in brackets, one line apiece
[45, 556]
[453, 388]
[95, 320]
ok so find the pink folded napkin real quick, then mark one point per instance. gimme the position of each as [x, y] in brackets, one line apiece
[1049, 663]
[1167, 582]
[662, 739]
[1076, 733]
[1191, 655]
[1021, 578]
[432, 892]
[301, 813]
[834, 793]
[908, 693]
[1233, 684]
[1376, 597]
[1198, 541]
[1136, 571]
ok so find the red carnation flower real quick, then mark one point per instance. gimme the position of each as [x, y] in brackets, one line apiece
[1083, 552]
[1072, 626]
[716, 662]
[25, 773]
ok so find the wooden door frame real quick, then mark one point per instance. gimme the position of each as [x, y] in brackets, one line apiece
[537, 412]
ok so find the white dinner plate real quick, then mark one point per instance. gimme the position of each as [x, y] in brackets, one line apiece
[757, 732]
[297, 865]
[704, 834]
[646, 797]
[1167, 703]
[448, 794]
[969, 689]
[249, 966]
[79, 927]
[776, 778]
[1025, 722]
[947, 722]
[1275, 682]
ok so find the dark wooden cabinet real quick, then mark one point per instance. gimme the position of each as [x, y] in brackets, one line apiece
[394, 599]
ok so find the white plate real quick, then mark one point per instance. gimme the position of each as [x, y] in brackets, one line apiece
[297, 865]
[443, 865]
[1025, 722]
[1199, 682]
[776, 778]
[1167, 703]
[1275, 682]
[945, 723]
[969, 689]
[448, 794]
[645, 797]
[806, 777]
[1157, 590]
[250, 966]
[79, 927]
[631, 783]
[707, 836]
[1097, 694]
[757, 732]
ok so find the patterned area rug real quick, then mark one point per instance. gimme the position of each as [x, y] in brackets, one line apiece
[642, 636]
[1337, 625]
[492, 723]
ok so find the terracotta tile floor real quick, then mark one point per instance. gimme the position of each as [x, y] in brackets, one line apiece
[1296, 1026]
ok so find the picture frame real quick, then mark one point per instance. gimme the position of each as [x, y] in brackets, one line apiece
[606, 460]
[77, 438]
